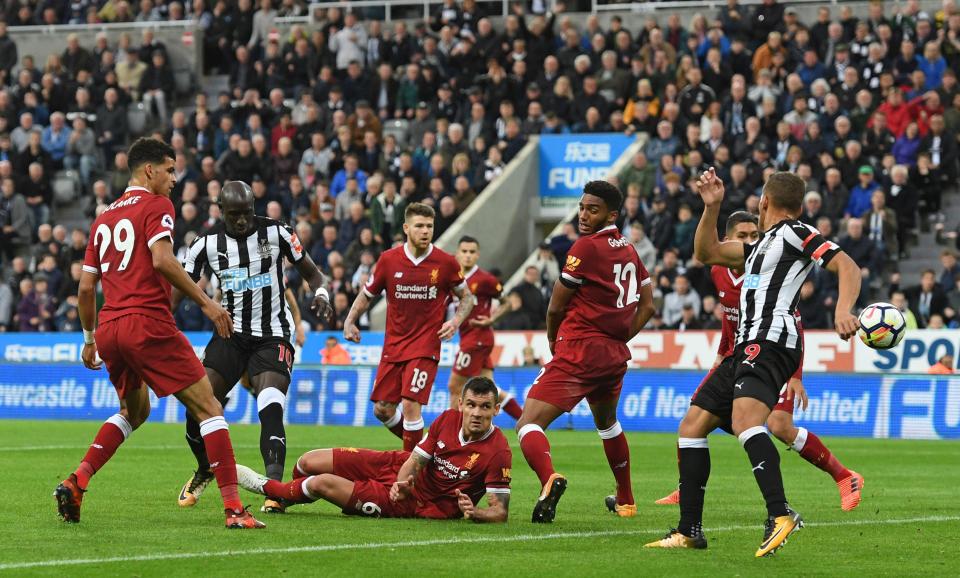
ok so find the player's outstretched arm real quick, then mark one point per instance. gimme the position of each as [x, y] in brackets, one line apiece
[497, 513]
[849, 273]
[645, 310]
[556, 309]
[350, 330]
[87, 309]
[502, 309]
[318, 284]
[707, 247]
[464, 307]
[166, 263]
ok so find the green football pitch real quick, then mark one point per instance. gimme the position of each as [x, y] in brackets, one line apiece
[131, 526]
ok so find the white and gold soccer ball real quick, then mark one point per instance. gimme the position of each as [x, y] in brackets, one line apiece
[882, 326]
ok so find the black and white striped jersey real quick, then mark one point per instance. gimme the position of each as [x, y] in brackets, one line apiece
[776, 266]
[250, 274]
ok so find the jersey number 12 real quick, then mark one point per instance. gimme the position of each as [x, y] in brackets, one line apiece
[625, 275]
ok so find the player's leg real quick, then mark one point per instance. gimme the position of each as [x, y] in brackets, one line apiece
[417, 382]
[134, 410]
[455, 386]
[193, 488]
[537, 416]
[617, 451]
[313, 463]
[199, 400]
[270, 389]
[329, 487]
[386, 396]
[508, 403]
[808, 445]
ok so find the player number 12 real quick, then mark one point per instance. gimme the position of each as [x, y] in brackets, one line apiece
[625, 274]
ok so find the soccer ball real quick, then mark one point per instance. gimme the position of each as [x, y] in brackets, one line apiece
[882, 326]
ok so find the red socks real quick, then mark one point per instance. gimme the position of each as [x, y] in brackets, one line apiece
[216, 438]
[291, 491]
[618, 456]
[395, 424]
[812, 449]
[112, 433]
[412, 434]
[536, 450]
[512, 408]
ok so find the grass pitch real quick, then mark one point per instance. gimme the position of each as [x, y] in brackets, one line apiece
[906, 525]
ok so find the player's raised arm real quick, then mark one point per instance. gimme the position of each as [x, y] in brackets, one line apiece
[294, 251]
[166, 263]
[707, 247]
[847, 270]
[467, 300]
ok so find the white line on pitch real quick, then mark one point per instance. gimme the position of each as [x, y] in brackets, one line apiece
[437, 542]
[126, 448]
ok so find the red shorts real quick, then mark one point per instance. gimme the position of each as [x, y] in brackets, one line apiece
[358, 464]
[784, 404]
[591, 369]
[140, 349]
[372, 499]
[472, 362]
[411, 379]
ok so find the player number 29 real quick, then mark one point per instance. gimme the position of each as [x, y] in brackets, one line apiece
[625, 276]
[419, 380]
[123, 241]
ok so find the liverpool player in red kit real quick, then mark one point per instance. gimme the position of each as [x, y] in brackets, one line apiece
[742, 226]
[603, 298]
[418, 279]
[462, 458]
[131, 252]
[476, 333]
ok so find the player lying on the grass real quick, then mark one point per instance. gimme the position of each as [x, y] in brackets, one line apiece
[418, 278]
[476, 333]
[462, 457]
[742, 226]
[131, 252]
[603, 298]
[246, 254]
[740, 393]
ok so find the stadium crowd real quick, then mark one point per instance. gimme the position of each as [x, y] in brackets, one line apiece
[338, 125]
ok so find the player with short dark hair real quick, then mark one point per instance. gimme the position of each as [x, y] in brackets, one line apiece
[418, 279]
[740, 393]
[603, 298]
[131, 254]
[742, 226]
[463, 457]
[245, 253]
[476, 334]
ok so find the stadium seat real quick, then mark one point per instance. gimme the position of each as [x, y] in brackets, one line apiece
[398, 128]
[66, 186]
[183, 80]
[137, 119]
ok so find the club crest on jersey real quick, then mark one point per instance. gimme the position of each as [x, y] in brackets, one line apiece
[764, 246]
[473, 287]
[472, 461]
[572, 262]
[264, 248]
[434, 276]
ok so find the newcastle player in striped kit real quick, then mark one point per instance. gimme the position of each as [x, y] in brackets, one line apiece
[741, 392]
[246, 253]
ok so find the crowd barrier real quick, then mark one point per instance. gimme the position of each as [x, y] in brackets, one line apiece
[823, 350]
[903, 406]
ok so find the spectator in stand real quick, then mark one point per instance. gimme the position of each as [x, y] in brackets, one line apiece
[864, 253]
[899, 300]
[926, 299]
[675, 301]
[333, 353]
[943, 366]
[860, 195]
[881, 224]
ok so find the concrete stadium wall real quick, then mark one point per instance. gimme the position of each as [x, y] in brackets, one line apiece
[499, 219]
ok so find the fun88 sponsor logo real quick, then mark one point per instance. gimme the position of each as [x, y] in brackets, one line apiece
[239, 280]
[918, 407]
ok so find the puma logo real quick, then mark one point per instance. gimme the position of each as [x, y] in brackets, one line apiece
[759, 466]
[279, 439]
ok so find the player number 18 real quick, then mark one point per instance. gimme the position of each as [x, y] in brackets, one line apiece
[419, 380]
[625, 275]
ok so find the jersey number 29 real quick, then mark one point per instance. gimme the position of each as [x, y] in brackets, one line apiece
[625, 276]
[123, 241]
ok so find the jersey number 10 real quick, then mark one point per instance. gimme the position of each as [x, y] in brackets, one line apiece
[625, 275]
[123, 241]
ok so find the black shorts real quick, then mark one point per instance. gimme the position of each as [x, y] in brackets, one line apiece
[758, 369]
[240, 354]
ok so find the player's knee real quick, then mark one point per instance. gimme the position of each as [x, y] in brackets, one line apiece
[384, 411]
[136, 418]
[271, 395]
[321, 485]
[781, 426]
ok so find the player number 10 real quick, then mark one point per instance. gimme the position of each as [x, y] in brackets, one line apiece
[625, 275]
[419, 380]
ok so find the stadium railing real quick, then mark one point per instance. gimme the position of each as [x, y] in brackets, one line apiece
[388, 6]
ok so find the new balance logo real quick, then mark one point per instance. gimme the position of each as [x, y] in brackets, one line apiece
[620, 465]
[214, 464]
[98, 446]
[760, 465]
[440, 444]
[279, 439]
[398, 275]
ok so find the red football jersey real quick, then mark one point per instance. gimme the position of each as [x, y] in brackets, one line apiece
[728, 286]
[475, 468]
[417, 293]
[485, 287]
[608, 275]
[119, 252]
